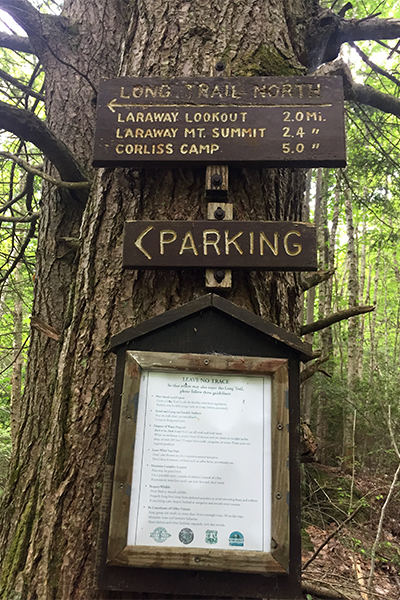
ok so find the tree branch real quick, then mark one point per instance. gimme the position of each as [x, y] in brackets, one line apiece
[373, 66]
[28, 187]
[335, 318]
[25, 14]
[330, 536]
[364, 94]
[368, 95]
[28, 219]
[18, 84]
[353, 30]
[28, 126]
[384, 507]
[45, 328]
[309, 281]
[17, 43]
[20, 254]
[38, 26]
[310, 370]
[324, 590]
[72, 185]
[328, 31]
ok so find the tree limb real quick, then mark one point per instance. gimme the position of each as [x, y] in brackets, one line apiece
[45, 328]
[18, 84]
[309, 281]
[373, 66]
[72, 185]
[38, 26]
[352, 30]
[16, 357]
[328, 31]
[344, 9]
[364, 94]
[330, 536]
[25, 14]
[28, 126]
[20, 254]
[28, 219]
[18, 43]
[27, 188]
[310, 370]
[368, 95]
[384, 507]
[319, 591]
[341, 315]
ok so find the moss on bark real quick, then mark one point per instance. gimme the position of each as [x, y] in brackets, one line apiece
[268, 61]
[15, 558]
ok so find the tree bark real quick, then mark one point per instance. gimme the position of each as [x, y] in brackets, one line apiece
[363, 260]
[306, 388]
[52, 502]
[331, 265]
[372, 323]
[321, 225]
[352, 364]
[16, 378]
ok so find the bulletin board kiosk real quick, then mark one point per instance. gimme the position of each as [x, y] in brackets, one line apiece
[203, 492]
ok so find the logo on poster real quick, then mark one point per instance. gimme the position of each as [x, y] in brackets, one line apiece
[160, 534]
[186, 536]
[236, 539]
[211, 536]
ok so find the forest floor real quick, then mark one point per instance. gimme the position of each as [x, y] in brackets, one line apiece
[342, 567]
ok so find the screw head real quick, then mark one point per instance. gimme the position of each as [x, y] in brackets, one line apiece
[216, 179]
[219, 275]
[206, 361]
[278, 496]
[279, 426]
[219, 213]
[220, 66]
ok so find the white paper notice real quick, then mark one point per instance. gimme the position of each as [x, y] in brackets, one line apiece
[202, 466]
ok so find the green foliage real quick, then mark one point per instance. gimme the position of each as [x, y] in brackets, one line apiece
[15, 288]
[20, 194]
[327, 496]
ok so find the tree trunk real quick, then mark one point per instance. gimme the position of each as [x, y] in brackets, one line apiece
[352, 370]
[372, 322]
[306, 388]
[363, 259]
[49, 523]
[16, 377]
[331, 263]
[320, 223]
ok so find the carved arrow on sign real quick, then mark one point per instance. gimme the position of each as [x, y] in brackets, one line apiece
[112, 105]
[138, 242]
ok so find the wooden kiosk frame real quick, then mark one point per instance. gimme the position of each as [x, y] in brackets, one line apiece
[119, 553]
[207, 335]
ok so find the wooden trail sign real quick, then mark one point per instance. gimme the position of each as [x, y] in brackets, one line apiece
[254, 245]
[262, 121]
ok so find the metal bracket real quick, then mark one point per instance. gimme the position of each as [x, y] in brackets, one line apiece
[217, 187]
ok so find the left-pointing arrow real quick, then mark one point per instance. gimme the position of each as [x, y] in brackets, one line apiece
[113, 104]
[139, 239]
